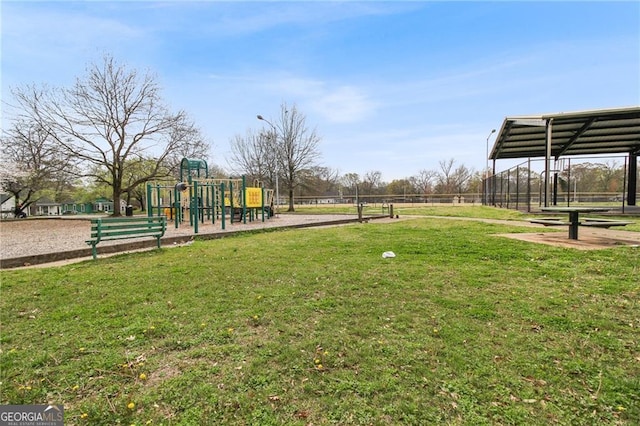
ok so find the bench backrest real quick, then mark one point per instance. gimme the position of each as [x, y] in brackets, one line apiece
[119, 227]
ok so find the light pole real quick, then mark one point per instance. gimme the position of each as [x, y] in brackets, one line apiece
[486, 173]
[488, 137]
[275, 134]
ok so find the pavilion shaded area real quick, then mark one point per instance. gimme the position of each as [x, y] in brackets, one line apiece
[590, 239]
[581, 133]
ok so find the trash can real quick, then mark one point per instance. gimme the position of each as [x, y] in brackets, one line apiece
[129, 211]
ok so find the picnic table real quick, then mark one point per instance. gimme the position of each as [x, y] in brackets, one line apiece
[574, 218]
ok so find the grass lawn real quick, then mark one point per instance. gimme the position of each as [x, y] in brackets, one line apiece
[413, 209]
[313, 326]
[461, 210]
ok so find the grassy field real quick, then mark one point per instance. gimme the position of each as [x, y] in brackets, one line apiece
[314, 327]
[416, 210]
[457, 210]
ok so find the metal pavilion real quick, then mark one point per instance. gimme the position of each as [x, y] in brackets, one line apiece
[552, 136]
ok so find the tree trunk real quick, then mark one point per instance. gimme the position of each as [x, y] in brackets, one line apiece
[116, 202]
[18, 210]
[291, 209]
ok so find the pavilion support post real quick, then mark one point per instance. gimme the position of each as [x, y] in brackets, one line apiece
[547, 162]
[633, 178]
[555, 187]
[529, 184]
[569, 183]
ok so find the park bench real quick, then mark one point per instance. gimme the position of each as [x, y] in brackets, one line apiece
[604, 223]
[550, 221]
[118, 228]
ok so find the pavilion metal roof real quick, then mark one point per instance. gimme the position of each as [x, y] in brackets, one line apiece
[604, 131]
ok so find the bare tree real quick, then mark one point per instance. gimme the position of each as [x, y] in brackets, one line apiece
[216, 171]
[444, 179]
[423, 181]
[350, 180]
[296, 148]
[111, 119]
[192, 145]
[400, 186]
[32, 164]
[610, 176]
[320, 181]
[461, 177]
[371, 182]
[450, 180]
[253, 155]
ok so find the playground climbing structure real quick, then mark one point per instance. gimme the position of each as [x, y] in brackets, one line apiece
[197, 198]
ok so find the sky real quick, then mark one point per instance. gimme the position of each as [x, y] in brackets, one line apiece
[395, 87]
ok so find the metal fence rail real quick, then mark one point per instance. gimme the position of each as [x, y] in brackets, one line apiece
[522, 187]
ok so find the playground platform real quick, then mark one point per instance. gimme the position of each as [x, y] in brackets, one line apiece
[51, 240]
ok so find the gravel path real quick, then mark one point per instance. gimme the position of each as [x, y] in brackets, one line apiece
[38, 236]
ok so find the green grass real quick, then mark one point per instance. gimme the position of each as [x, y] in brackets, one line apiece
[475, 211]
[314, 327]
[410, 209]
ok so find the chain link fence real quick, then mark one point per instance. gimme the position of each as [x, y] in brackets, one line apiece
[571, 181]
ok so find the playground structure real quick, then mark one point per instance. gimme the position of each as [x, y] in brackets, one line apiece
[199, 198]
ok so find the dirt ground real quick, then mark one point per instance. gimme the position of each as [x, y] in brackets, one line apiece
[588, 238]
[592, 239]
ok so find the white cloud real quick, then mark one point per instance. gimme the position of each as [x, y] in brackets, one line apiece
[342, 103]
[236, 19]
[345, 104]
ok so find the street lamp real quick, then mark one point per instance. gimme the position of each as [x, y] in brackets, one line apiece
[275, 133]
[487, 169]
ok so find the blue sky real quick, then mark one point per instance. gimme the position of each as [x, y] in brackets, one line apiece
[394, 87]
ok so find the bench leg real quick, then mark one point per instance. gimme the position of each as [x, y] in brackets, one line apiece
[94, 251]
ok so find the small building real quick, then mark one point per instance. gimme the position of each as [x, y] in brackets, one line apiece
[105, 205]
[84, 208]
[45, 207]
[7, 205]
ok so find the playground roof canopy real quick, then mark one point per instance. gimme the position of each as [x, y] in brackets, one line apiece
[603, 131]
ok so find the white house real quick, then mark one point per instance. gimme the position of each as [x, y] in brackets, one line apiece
[45, 207]
[8, 203]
